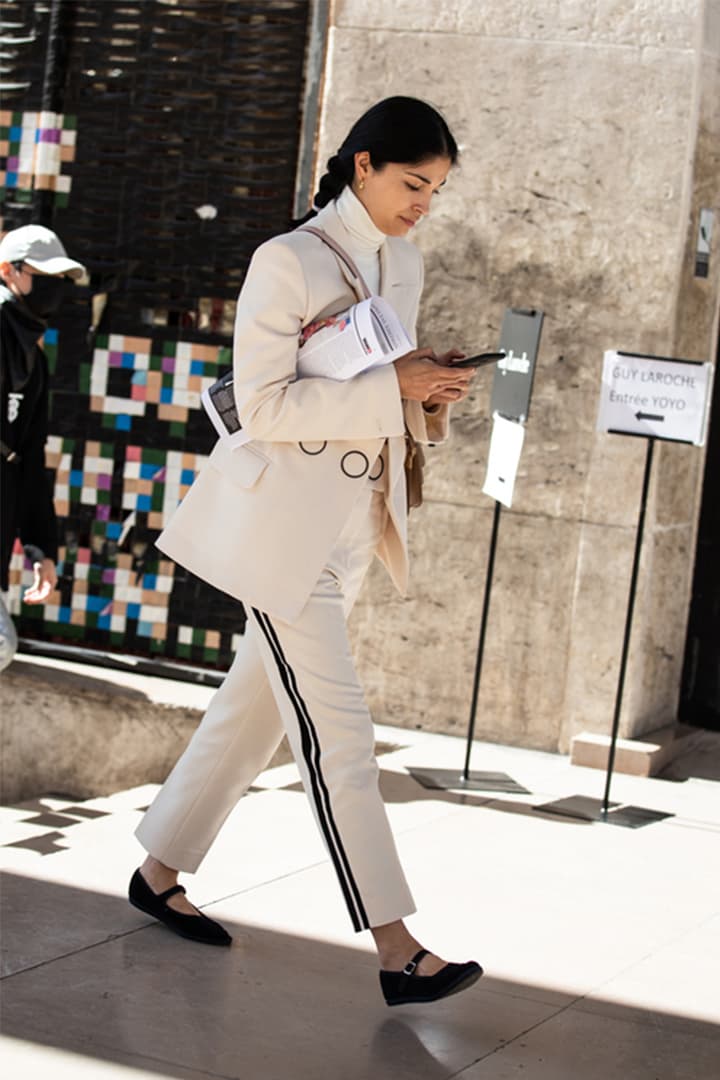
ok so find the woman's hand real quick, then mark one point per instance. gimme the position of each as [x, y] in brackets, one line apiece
[43, 584]
[450, 396]
[422, 378]
[453, 394]
[446, 358]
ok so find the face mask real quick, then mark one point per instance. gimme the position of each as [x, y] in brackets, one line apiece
[46, 295]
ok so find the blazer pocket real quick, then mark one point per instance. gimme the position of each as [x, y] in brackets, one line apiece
[242, 466]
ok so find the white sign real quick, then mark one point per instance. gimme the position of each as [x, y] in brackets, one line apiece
[506, 444]
[649, 395]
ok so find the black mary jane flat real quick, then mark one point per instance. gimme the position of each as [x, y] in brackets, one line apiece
[406, 987]
[195, 927]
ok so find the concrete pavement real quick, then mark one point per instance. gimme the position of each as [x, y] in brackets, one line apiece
[601, 944]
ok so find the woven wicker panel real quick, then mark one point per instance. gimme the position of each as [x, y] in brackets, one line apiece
[24, 25]
[186, 117]
[180, 106]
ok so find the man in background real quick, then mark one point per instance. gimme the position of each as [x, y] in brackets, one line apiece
[35, 277]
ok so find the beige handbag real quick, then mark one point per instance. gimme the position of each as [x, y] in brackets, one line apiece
[414, 454]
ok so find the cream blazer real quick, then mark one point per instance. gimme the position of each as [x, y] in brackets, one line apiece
[260, 520]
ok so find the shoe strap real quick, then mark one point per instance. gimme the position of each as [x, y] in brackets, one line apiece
[170, 892]
[410, 967]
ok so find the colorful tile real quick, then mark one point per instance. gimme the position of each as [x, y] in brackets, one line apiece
[34, 152]
[166, 382]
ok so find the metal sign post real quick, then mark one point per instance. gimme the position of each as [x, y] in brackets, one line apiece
[511, 392]
[655, 397]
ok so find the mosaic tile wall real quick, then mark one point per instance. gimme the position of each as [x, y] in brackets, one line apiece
[115, 489]
[138, 171]
[34, 147]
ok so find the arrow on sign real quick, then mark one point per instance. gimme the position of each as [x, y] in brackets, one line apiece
[648, 416]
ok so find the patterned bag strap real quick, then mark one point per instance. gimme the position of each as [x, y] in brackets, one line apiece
[361, 284]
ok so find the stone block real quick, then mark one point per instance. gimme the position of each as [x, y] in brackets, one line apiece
[417, 657]
[82, 735]
[637, 23]
[88, 732]
[597, 617]
[645, 756]
[658, 638]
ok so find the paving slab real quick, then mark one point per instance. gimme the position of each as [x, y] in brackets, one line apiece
[578, 1046]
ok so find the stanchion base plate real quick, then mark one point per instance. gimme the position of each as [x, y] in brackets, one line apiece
[587, 809]
[453, 779]
[634, 817]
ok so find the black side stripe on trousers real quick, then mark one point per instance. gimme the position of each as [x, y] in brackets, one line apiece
[311, 754]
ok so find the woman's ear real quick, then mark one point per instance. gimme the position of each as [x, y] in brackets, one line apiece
[362, 165]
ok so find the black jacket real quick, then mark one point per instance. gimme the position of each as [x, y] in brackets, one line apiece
[26, 501]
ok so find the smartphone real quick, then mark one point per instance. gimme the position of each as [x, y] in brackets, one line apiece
[479, 360]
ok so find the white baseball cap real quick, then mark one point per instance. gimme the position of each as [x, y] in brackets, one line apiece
[40, 248]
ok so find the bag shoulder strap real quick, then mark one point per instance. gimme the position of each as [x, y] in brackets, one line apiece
[342, 254]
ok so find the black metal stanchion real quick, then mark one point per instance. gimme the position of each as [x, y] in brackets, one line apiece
[581, 806]
[481, 638]
[628, 626]
[474, 781]
[511, 392]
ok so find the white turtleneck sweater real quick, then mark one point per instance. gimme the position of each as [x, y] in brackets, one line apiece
[366, 239]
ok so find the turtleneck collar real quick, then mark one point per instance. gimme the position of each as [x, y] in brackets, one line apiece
[365, 233]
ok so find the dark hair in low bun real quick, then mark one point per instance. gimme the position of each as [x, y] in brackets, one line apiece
[338, 175]
[399, 129]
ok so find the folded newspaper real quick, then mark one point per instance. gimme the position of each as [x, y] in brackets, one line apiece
[366, 335]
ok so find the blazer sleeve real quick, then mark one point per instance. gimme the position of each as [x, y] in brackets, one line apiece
[425, 426]
[273, 403]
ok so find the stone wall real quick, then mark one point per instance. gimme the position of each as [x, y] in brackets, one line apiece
[79, 732]
[589, 141]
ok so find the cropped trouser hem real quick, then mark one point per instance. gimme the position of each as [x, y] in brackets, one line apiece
[298, 677]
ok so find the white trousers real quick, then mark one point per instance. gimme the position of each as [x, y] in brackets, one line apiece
[298, 677]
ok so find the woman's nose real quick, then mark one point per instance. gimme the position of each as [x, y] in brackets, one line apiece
[422, 205]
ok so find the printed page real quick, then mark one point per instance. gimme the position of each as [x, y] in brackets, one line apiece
[219, 404]
[343, 345]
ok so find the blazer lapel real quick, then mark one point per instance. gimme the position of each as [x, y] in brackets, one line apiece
[389, 275]
[395, 287]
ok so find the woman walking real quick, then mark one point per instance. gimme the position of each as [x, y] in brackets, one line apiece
[289, 522]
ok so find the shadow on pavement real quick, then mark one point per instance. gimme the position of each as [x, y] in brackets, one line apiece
[89, 975]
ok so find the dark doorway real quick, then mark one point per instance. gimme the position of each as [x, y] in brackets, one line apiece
[700, 692]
